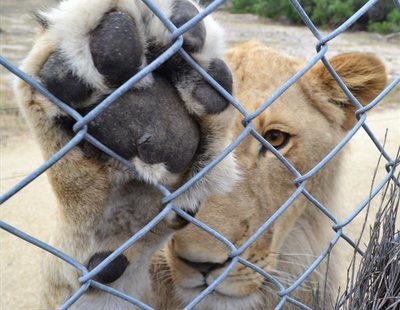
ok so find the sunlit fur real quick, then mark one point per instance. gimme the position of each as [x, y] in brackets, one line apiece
[317, 115]
[101, 204]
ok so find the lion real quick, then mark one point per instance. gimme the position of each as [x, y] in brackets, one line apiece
[166, 128]
[304, 125]
[161, 131]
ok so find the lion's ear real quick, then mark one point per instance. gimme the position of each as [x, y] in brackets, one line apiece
[364, 75]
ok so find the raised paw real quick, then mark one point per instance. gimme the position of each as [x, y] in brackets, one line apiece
[212, 101]
[150, 126]
[116, 47]
[60, 80]
[171, 123]
[182, 12]
[113, 271]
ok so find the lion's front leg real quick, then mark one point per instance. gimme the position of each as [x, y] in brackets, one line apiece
[168, 125]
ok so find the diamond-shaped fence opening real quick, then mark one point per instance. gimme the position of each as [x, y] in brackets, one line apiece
[299, 179]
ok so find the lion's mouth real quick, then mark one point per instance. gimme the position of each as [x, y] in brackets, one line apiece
[196, 290]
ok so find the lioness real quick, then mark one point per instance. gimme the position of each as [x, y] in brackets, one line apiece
[166, 127]
[304, 124]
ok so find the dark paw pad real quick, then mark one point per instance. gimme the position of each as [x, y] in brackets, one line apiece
[59, 79]
[182, 12]
[116, 48]
[151, 124]
[110, 273]
[211, 99]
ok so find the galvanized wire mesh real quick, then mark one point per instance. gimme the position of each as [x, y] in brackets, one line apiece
[299, 179]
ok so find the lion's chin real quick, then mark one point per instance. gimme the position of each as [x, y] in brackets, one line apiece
[219, 299]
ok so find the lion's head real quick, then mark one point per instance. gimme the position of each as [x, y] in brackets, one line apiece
[304, 124]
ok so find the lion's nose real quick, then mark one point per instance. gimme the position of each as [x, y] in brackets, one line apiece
[203, 267]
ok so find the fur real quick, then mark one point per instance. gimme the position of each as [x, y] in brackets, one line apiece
[310, 112]
[101, 204]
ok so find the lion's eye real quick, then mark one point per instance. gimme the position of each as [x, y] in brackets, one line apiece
[278, 139]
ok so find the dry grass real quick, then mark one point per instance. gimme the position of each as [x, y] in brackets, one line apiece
[376, 284]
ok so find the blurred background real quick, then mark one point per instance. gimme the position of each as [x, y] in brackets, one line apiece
[383, 17]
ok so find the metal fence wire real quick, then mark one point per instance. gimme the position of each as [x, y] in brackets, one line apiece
[299, 180]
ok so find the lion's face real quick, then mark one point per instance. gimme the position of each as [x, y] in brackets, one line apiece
[304, 124]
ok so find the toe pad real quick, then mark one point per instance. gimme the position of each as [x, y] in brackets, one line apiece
[116, 48]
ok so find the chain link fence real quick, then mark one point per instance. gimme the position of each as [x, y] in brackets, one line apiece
[299, 180]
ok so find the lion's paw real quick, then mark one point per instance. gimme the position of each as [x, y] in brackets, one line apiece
[171, 123]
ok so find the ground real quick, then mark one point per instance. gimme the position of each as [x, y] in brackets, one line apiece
[33, 209]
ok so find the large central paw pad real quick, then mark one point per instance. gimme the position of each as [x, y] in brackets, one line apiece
[151, 124]
[172, 119]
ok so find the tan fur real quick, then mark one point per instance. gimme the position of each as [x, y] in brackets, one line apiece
[317, 115]
[101, 204]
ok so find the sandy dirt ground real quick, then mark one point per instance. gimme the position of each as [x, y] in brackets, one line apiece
[33, 209]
